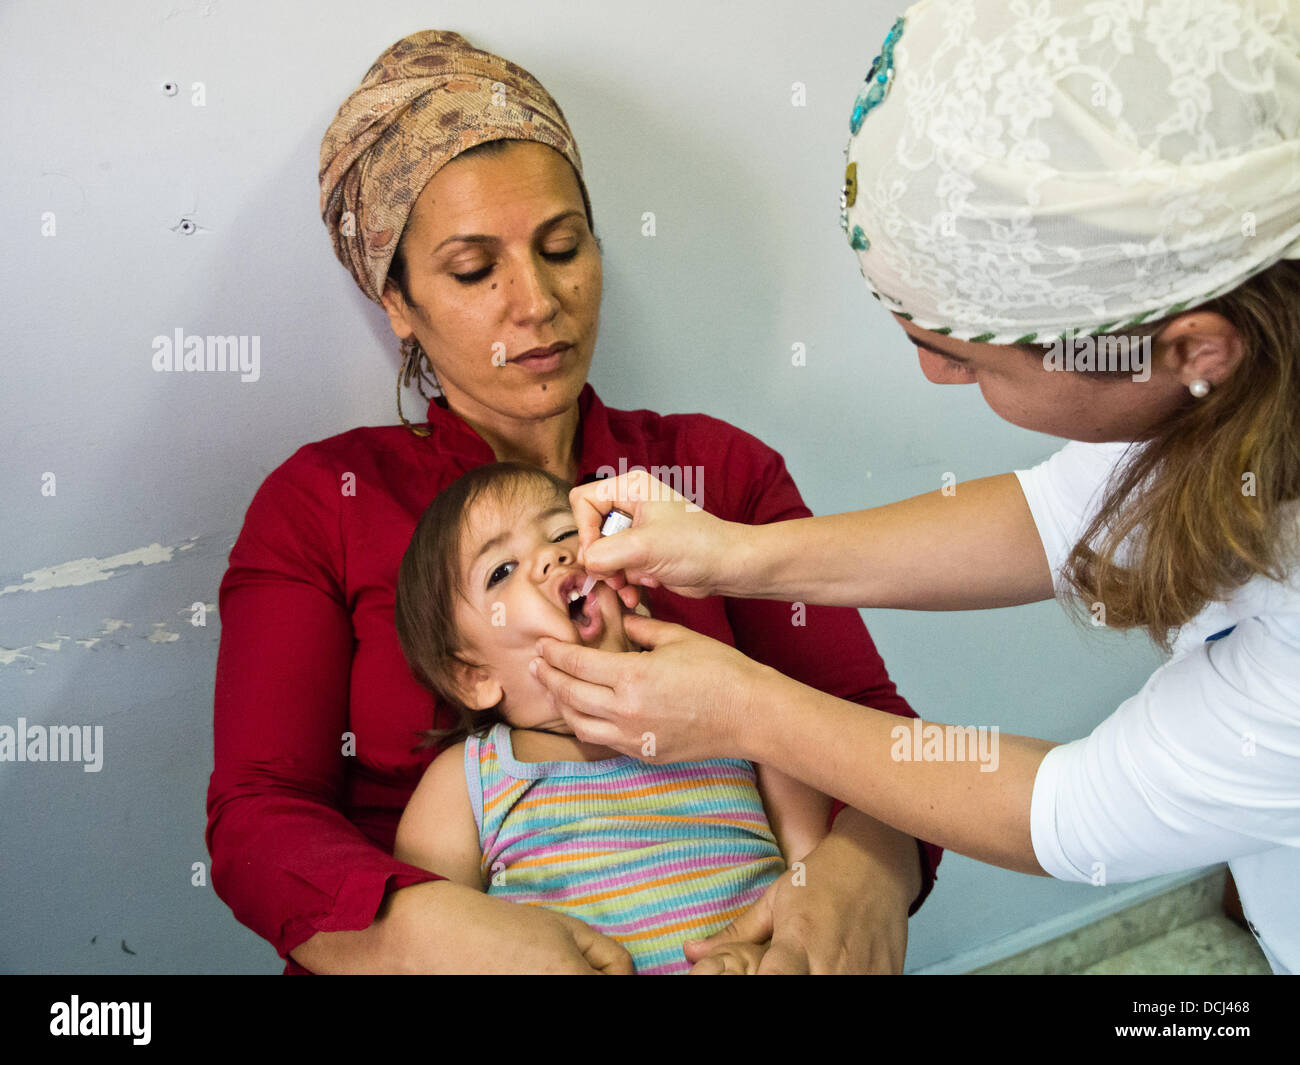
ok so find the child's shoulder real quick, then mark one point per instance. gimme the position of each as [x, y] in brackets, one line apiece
[446, 771]
[438, 829]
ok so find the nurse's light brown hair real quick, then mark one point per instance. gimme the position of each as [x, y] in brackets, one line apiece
[1205, 500]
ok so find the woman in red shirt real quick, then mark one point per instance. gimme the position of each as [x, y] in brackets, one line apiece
[452, 189]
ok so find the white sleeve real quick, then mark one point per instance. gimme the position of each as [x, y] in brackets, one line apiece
[1062, 493]
[1201, 766]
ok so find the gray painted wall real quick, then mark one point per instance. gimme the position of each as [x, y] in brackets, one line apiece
[685, 112]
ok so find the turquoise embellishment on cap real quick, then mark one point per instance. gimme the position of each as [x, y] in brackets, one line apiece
[848, 195]
[879, 78]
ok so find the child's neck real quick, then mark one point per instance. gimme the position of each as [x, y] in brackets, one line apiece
[535, 745]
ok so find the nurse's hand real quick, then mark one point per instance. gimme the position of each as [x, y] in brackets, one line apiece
[684, 699]
[671, 543]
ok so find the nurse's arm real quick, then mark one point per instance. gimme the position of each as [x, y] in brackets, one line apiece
[977, 805]
[975, 549]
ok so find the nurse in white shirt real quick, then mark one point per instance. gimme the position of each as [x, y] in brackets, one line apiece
[1098, 222]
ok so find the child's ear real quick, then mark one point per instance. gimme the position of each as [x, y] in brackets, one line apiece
[474, 685]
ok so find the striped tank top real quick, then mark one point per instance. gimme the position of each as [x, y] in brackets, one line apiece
[649, 855]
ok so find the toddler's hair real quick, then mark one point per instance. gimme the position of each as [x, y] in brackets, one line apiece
[429, 583]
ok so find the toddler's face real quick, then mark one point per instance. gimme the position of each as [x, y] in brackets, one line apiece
[518, 571]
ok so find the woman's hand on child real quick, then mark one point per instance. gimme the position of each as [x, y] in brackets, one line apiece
[735, 958]
[443, 927]
[831, 914]
[685, 699]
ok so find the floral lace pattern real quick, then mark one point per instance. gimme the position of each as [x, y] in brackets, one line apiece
[1044, 168]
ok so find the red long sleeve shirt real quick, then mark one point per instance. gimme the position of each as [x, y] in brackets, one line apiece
[316, 710]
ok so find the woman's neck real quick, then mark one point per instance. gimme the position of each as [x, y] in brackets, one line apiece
[546, 442]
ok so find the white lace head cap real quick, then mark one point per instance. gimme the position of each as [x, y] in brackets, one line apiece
[1021, 170]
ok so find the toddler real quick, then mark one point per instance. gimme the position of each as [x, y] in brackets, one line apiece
[649, 855]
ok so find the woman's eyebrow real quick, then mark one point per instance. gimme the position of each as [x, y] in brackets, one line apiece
[483, 238]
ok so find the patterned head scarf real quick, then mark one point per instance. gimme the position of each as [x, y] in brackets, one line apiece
[425, 100]
[1021, 170]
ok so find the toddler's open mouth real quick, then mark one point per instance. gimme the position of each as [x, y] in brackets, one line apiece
[584, 611]
[576, 606]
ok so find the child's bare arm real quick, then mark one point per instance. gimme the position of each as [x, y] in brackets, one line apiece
[796, 812]
[437, 831]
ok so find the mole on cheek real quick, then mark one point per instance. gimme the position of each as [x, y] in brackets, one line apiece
[494, 284]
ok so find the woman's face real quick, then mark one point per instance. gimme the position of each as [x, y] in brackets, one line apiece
[500, 262]
[518, 572]
[1077, 406]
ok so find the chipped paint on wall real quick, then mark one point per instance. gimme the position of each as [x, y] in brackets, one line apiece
[161, 633]
[90, 570]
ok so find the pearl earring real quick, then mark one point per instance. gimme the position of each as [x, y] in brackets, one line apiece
[1200, 388]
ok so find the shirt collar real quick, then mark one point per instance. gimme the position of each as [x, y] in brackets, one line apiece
[453, 436]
